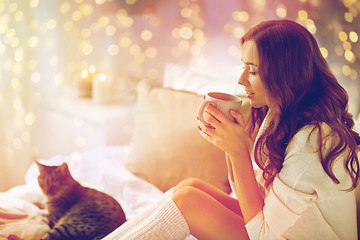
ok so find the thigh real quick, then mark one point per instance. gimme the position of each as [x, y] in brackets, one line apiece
[222, 197]
[207, 217]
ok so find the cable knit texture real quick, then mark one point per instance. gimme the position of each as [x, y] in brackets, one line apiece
[303, 202]
[163, 223]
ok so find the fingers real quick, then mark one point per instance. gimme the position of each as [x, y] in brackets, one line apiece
[207, 137]
[207, 132]
[213, 119]
[210, 121]
[213, 116]
[203, 134]
[205, 127]
[238, 117]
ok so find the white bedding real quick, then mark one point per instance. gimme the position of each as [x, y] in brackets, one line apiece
[101, 169]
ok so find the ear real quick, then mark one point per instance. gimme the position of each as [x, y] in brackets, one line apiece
[64, 167]
[40, 167]
[39, 164]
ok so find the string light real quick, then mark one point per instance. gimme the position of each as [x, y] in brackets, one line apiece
[51, 48]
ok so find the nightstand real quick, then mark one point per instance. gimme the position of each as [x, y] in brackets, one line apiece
[66, 124]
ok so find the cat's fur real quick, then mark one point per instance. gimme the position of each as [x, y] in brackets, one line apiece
[76, 212]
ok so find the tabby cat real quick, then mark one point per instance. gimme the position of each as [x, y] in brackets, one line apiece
[76, 212]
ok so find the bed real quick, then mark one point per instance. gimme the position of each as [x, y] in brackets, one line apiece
[165, 148]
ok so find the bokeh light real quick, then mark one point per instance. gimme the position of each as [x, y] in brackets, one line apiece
[46, 45]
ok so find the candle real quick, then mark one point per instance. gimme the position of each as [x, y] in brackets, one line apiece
[85, 82]
[102, 88]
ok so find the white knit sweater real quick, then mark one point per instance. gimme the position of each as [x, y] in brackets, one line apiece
[303, 202]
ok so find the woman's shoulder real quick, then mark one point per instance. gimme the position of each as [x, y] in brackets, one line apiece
[309, 142]
[302, 161]
[313, 136]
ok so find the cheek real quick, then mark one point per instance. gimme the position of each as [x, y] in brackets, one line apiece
[258, 84]
[262, 94]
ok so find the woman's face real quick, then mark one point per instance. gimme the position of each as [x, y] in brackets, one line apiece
[250, 78]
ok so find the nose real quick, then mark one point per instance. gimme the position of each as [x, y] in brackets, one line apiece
[242, 79]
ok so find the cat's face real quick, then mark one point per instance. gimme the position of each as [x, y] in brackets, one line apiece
[54, 180]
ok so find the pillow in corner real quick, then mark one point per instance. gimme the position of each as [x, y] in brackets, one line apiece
[166, 147]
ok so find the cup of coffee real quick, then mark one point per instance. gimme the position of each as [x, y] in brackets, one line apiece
[223, 102]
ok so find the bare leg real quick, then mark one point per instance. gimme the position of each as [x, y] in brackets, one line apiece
[222, 197]
[209, 212]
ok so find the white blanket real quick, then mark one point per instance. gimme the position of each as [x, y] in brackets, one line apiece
[101, 169]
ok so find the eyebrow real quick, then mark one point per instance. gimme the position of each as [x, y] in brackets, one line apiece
[249, 63]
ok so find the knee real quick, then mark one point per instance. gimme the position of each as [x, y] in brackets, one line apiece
[186, 195]
[188, 192]
[190, 182]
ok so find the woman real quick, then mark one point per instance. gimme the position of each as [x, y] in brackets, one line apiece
[300, 137]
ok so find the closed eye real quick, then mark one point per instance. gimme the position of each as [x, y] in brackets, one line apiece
[251, 72]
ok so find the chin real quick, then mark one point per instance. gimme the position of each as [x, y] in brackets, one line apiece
[256, 104]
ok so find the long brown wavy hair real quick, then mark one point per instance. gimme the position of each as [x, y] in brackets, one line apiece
[300, 81]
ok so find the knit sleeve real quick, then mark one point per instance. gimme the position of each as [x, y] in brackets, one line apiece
[278, 214]
[293, 191]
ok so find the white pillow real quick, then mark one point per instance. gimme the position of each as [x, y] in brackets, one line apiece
[166, 147]
[189, 79]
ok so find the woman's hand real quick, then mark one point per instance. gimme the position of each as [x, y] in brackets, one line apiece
[229, 136]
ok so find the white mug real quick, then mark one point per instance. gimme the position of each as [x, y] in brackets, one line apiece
[223, 102]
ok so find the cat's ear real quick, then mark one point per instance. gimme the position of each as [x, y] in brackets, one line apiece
[64, 167]
[38, 163]
[41, 167]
